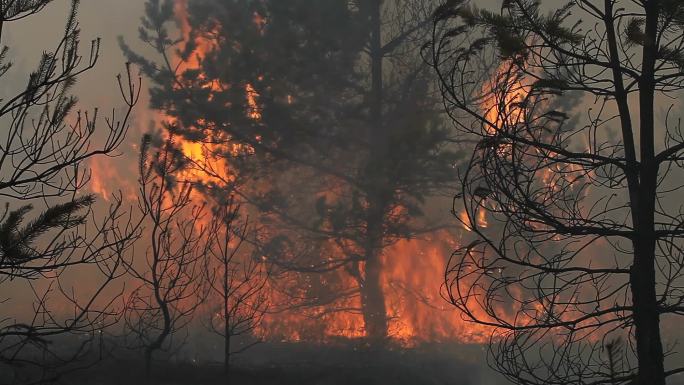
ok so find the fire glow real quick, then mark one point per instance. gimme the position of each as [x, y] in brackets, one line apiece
[416, 311]
[412, 270]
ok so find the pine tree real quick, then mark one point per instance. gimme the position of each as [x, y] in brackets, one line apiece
[590, 216]
[337, 107]
[48, 227]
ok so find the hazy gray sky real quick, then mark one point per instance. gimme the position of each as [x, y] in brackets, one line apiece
[106, 19]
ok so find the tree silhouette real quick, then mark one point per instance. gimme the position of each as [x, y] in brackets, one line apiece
[170, 272]
[587, 241]
[238, 282]
[48, 228]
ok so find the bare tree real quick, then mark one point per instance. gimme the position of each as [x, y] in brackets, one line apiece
[42, 164]
[238, 282]
[585, 235]
[170, 286]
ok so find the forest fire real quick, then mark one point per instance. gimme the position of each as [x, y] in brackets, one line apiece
[343, 192]
[416, 312]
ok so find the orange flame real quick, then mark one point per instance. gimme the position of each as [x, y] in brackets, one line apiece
[415, 309]
[417, 312]
[502, 98]
[412, 269]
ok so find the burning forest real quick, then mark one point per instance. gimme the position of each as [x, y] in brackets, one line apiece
[341, 191]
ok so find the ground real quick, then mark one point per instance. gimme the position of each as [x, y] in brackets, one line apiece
[303, 364]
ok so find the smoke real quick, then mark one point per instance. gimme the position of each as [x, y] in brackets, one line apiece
[409, 284]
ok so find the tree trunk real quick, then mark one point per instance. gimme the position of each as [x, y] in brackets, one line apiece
[159, 341]
[148, 363]
[643, 185]
[643, 277]
[373, 297]
[643, 282]
[226, 353]
[646, 317]
[226, 319]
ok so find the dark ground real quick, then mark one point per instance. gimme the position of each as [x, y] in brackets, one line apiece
[302, 364]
